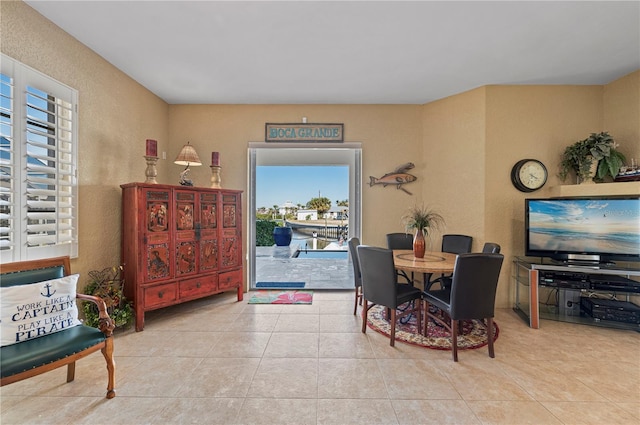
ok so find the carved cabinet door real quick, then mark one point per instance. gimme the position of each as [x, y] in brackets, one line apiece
[208, 242]
[156, 234]
[186, 233]
[230, 255]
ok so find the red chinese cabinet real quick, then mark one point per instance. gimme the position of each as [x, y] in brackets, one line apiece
[179, 243]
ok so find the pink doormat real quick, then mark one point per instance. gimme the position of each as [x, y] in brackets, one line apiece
[281, 297]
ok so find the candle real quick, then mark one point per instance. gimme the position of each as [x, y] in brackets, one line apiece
[215, 159]
[152, 147]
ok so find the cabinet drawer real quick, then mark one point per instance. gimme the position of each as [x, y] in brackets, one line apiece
[161, 294]
[197, 286]
[230, 280]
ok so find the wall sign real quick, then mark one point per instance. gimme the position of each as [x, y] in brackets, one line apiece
[303, 132]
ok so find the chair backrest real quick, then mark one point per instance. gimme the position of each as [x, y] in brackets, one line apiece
[357, 277]
[473, 289]
[378, 275]
[456, 244]
[491, 248]
[399, 241]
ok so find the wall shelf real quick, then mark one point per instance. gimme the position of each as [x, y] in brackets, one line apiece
[597, 189]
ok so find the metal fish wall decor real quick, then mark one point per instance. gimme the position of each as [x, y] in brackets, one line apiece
[398, 177]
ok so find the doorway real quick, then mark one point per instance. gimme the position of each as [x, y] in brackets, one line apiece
[265, 154]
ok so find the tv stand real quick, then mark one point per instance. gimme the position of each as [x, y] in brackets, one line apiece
[553, 290]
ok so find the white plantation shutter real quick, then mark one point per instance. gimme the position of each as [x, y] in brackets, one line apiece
[38, 201]
[7, 199]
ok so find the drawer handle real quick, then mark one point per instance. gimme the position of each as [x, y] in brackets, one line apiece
[160, 294]
[198, 285]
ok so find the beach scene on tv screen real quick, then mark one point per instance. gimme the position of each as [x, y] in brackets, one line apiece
[592, 226]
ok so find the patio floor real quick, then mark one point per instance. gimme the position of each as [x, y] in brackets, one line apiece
[274, 264]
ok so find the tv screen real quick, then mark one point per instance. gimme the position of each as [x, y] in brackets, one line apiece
[591, 229]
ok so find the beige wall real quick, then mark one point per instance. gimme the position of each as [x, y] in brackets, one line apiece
[454, 151]
[116, 116]
[463, 146]
[621, 101]
[390, 136]
[476, 137]
[529, 122]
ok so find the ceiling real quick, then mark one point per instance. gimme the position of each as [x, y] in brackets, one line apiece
[352, 52]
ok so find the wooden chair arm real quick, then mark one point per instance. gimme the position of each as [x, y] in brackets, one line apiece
[105, 323]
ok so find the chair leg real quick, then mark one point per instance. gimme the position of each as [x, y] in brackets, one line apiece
[454, 339]
[107, 352]
[392, 324]
[71, 371]
[355, 306]
[426, 318]
[365, 309]
[490, 336]
[418, 311]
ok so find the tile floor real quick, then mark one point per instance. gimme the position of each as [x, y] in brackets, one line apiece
[217, 361]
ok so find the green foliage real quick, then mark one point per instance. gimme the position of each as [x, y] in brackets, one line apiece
[322, 204]
[263, 216]
[108, 285]
[264, 232]
[597, 147]
[422, 218]
[610, 165]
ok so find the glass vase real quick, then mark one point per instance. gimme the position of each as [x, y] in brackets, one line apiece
[419, 244]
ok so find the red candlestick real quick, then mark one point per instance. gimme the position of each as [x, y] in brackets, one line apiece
[215, 159]
[152, 147]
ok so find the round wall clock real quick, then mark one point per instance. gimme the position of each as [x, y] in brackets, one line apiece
[528, 175]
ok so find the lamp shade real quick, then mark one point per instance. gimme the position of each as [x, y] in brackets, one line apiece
[188, 156]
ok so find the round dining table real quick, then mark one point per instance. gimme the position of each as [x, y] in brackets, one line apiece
[432, 262]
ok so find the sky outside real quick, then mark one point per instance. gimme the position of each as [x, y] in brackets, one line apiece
[276, 185]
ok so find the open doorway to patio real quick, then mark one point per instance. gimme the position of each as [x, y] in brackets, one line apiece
[281, 263]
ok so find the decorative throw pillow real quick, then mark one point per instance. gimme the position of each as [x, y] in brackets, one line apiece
[37, 309]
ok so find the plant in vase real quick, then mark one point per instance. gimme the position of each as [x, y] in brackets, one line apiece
[594, 157]
[422, 220]
[108, 285]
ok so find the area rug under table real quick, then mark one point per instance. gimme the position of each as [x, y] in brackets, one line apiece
[474, 332]
[281, 297]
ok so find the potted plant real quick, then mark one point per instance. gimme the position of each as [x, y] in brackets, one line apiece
[108, 285]
[422, 220]
[596, 156]
[282, 235]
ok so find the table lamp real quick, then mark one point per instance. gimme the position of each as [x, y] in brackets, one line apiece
[187, 156]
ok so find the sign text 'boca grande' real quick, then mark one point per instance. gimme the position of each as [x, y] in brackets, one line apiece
[304, 132]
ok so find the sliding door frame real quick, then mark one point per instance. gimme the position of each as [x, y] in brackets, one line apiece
[260, 153]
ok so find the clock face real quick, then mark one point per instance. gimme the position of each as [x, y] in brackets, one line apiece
[528, 175]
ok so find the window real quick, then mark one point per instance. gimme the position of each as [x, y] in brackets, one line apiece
[38, 158]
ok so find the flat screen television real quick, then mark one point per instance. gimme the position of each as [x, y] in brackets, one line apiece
[583, 230]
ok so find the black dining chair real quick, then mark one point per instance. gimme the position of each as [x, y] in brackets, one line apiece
[379, 287]
[472, 296]
[491, 248]
[357, 277]
[401, 241]
[455, 244]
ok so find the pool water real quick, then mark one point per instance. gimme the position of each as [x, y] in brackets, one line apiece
[322, 253]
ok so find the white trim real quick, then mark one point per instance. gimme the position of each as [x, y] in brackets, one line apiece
[261, 153]
[64, 123]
